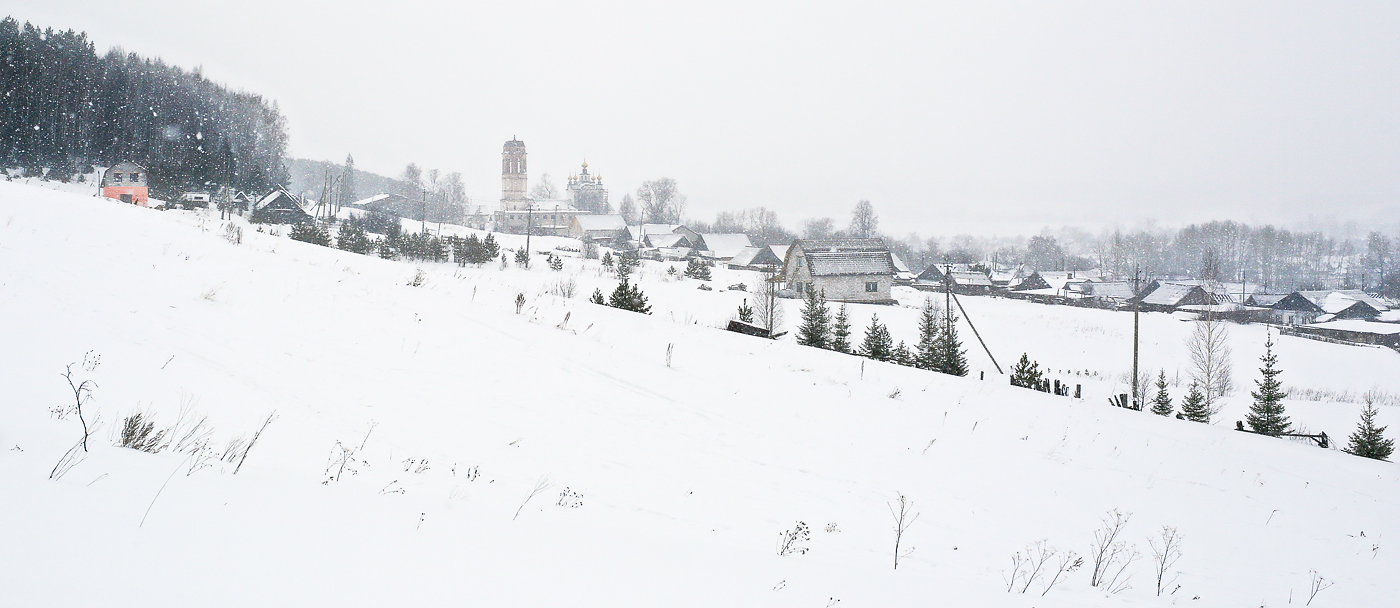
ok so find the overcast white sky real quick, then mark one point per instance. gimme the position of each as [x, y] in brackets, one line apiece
[994, 117]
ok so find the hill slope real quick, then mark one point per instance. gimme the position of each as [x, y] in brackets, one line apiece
[659, 484]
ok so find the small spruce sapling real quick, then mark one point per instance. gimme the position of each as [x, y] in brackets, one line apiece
[815, 329]
[841, 331]
[1193, 406]
[555, 263]
[1369, 440]
[1266, 414]
[1026, 373]
[1162, 403]
[878, 344]
[745, 311]
[697, 269]
[598, 297]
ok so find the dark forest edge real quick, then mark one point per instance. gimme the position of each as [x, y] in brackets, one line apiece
[64, 108]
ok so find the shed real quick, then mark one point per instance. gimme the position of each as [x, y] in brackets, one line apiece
[723, 246]
[755, 258]
[1167, 297]
[597, 227]
[279, 207]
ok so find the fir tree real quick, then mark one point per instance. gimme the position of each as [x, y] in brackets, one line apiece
[310, 232]
[555, 263]
[1026, 373]
[489, 248]
[697, 269]
[629, 297]
[607, 259]
[1266, 414]
[902, 355]
[349, 193]
[745, 312]
[815, 329]
[522, 258]
[841, 331]
[1162, 403]
[927, 354]
[877, 344]
[352, 237]
[1194, 407]
[598, 297]
[952, 357]
[1369, 440]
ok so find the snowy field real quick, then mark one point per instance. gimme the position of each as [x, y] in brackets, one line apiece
[432, 447]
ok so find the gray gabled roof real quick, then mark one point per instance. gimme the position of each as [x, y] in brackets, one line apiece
[841, 244]
[839, 263]
[1169, 294]
[600, 222]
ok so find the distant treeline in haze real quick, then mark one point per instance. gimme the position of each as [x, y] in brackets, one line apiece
[64, 107]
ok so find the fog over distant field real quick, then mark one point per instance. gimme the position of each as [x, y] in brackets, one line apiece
[986, 117]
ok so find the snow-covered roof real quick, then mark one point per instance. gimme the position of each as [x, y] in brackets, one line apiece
[1168, 294]
[780, 251]
[825, 263]
[1359, 325]
[749, 256]
[971, 279]
[600, 222]
[725, 245]
[841, 244]
[1112, 289]
[670, 239]
[1335, 301]
[899, 264]
[1267, 299]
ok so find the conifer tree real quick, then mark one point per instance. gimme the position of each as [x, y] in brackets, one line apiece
[1266, 414]
[522, 258]
[927, 354]
[349, 193]
[598, 297]
[489, 248]
[555, 263]
[952, 356]
[902, 355]
[629, 297]
[1026, 373]
[1369, 440]
[815, 329]
[878, 344]
[841, 331]
[1162, 403]
[607, 259]
[745, 312]
[697, 269]
[1194, 407]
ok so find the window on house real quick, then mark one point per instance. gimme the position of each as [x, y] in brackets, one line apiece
[116, 178]
[135, 177]
[872, 286]
[801, 287]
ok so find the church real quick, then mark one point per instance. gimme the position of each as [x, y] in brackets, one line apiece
[519, 213]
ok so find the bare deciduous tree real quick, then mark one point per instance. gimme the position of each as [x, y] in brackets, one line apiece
[818, 228]
[661, 202]
[82, 392]
[1164, 556]
[1209, 347]
[544, 189]
[864, 223]
[767, 307]
[903, 518]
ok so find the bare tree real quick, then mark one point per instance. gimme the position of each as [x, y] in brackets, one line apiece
[903, 518]
[1165, 556]
[657, 199]
[627, 209]
[818, 228]
[767, 307]
[1209, 347]
[864, 223]
[544, 189]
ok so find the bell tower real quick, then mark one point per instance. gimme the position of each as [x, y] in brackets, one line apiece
[514, 181]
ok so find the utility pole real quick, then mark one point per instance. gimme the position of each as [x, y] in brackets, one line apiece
[1137, 278]
[947, 297]
[423, 213]
[529, 227]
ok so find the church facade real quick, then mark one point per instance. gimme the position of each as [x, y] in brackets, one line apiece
[519, 213]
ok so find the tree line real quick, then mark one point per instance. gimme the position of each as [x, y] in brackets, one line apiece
[65, 108]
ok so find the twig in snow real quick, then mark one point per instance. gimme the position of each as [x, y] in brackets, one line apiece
[541, 485]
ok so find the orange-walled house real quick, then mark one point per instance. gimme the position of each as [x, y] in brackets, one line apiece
[125, 181]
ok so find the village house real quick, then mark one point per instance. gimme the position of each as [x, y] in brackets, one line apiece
[722, 247]
[127, 182]
[1167, 297]
[279, 207]
[843, 270]
[756, 258]
[597, 228]
[1287, 309]
[1345, 304]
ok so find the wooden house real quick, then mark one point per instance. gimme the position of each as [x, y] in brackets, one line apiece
[127, 182]
[1352, 331]
[755, 258]
[722, 246]
[1287, 309]
[279, 207]
[597, 228]
[1345, 304]
[845, 270]
[1167, 297]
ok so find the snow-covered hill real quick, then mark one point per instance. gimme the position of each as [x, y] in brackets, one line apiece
[414, 423]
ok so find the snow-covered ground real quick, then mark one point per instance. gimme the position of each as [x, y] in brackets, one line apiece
[661, 484]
